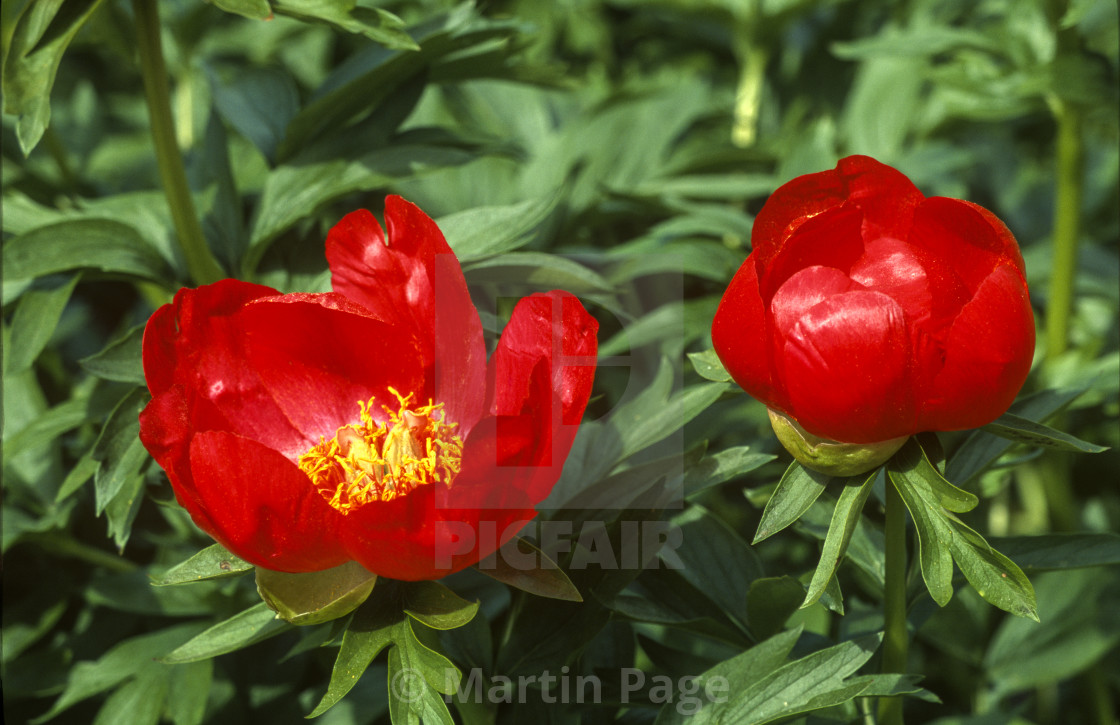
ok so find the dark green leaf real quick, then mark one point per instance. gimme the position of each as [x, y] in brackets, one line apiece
[252, 9]
[537, 575]
[119, 448]
[934, 534]
[722, 466]
[370, 631]
[213, 562]
[259, 103]
[844, 519]
[715, 560]
[121, 360]
[374, 23]
[911, 462]
[139, 701]
[1061, 551]
[35, 321]
[708, 365]
[33, 49]
[994, 577]
[796, 492]
[770, 602]
[255, 624]
[1022, 430]
[99, 244]
[489, 230]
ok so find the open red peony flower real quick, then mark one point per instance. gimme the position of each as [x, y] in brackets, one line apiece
[868, 312]
[302, 431]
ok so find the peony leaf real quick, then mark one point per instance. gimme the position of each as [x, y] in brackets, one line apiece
[489, 230]
[1061, 551]
[772, 601]
[318, 596]
[255, 624]
[121, 360]
[544, 577]
[844, 519]
[934, 534]
[437, 606]
[708, 365]
[796, 492]
[370, 631]
[213, 562]
[994, 577]
[35, 320]
[1023, 430]
[912, 461]
[252, 9]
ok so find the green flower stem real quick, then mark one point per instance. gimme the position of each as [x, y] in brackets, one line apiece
[895, 641]
[201, 265]
[1067, 226]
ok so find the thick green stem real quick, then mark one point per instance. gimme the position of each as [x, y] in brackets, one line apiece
[895, 640]
[1067, 226]
[201, 265]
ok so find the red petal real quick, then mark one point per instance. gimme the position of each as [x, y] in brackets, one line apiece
[262, 507]
[988, 355]
[198, 342]
[415, 279]
[884, 197]
[319, 355]
[741, 337]
[970, 237]
[846, 368]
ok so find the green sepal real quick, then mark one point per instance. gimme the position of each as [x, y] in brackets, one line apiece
[318, 596]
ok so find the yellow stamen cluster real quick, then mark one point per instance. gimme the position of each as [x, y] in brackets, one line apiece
[370, 461]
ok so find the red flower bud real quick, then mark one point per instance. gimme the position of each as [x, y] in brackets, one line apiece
[868, 312]
[302, 431]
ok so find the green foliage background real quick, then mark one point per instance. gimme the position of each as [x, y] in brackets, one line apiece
[614, 148]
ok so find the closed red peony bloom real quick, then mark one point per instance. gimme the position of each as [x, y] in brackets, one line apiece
[867, 311]
[302, 431]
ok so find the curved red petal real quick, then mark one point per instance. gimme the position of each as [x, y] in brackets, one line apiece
[847, 369]
[317, 356]
[741, 337]
[884, 197]
[197, 342]
[988, 356]
[262, 507]
[966, 234]
[413, 278]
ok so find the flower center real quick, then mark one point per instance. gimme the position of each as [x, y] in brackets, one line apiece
[369, 461]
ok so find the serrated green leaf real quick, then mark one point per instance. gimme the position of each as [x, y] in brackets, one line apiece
[121, 360]
[35, 320]
[844, 519]
[709, 366]
[213, 562]
[797, 490]
[255, 624]
[544, 578]
[98, 244]
[317, 596]
[1022, 430]
[436, 606]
